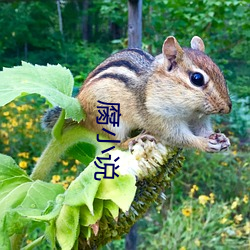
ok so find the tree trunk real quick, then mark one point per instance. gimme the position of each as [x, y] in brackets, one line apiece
[135, 23]
[59, 16]
[85, 21]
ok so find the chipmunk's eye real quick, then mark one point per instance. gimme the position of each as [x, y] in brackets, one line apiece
[197, 79]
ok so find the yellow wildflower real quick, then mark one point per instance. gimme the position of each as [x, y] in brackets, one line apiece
[183, 248]
[24, 107]
[223, 235]
[197, 242]
[238, 159]
[77, 162]
[12, 105]
[23, 164]
[4, 134]
[238, 233]
[245, 199]
[211, 195]
[203, 199]
[70, 178]
[6, 113]
[235, 203]
[223, 220]
[14, 123]
[73, 168]
[187, 211]
[29, 124]
[6, 141]
[238, 218]
[234, 152]
[28, 241]
[24, 154]
[247, 227]
[65, 163]
[193, 190]
[55, 178]
[35, 159]
[6, 149]
[224, 164]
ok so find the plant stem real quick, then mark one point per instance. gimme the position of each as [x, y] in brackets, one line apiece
[16, 240]
[52, 153]
[57, 146]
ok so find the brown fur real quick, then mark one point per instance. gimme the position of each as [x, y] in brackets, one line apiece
[156, 95]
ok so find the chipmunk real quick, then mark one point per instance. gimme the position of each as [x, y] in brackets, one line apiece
[170, 97]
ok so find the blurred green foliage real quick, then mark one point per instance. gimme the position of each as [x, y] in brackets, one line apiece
[30, 32]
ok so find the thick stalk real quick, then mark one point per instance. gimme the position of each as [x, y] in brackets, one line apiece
[52, 153]
[58, 146]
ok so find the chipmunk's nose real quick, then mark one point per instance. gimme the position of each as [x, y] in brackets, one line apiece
[227, 108]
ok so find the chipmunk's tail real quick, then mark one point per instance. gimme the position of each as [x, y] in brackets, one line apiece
[50, 117]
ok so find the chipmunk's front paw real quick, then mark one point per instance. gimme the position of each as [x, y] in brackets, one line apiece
[218, 142]
[141, 139]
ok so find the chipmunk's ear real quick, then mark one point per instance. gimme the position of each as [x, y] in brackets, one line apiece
[197, 43]
[171, 49]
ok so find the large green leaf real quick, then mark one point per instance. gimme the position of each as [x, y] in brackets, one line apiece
[53, 82]
[83, 189]
[67, 226]
[39, 194]
[84, 152]
[9, 168]
[86, 218]
[14, 198]
[121, 190]
[21, 199]
[112, 208]
[6, 186]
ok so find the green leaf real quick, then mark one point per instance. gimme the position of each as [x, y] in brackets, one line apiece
[14, 223]
[9, 168]
[53, 82]
[83, 189]
[4, 240]
[121, 190]
[50, 234]
[86, 231]
[34, 243]
[45, 216]
[112, 208]
[39, 194]
[87, 218]
[83, 152]
[67, 226]
[14, 198]
[26, 202]
[20, 197]
[6, 186]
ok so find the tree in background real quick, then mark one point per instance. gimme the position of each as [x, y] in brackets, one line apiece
[31, 31]
[135, 23]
